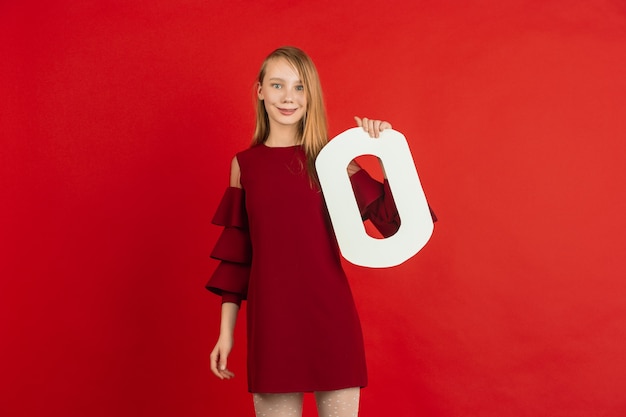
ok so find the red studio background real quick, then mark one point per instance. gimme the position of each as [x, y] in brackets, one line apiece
[118, 120]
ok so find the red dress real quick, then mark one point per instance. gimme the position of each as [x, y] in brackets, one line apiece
[279, 252]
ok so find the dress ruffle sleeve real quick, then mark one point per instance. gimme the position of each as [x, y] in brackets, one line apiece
[233, 248]
[376, 203]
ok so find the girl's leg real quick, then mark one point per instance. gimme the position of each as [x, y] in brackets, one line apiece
[278, 405]
[339, 403]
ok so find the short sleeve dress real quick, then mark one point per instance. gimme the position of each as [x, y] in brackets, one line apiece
[278, 251]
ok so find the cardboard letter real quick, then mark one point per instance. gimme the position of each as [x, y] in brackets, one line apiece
[416, 223]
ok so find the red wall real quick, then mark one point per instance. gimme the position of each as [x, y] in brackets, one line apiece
[117, 123]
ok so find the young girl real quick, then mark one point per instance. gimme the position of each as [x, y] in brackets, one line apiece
[278, 251]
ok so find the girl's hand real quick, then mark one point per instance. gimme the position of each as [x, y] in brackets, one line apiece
[219, 358]
[373, 127]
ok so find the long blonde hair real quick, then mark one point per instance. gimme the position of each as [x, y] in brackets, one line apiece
[313, 129]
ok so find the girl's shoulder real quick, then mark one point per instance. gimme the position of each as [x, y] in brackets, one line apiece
[251, 150]
[244, 160]
[248, 153]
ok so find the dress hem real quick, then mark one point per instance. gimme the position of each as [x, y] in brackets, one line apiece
[291, 390]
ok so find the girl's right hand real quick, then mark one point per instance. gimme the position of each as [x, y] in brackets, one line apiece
[219, 358]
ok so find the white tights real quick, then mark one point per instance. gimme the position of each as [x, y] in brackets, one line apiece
[339, 403]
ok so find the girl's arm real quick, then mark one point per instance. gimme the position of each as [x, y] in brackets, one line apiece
[219, 356]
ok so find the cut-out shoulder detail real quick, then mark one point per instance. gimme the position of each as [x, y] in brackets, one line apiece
[235, 173]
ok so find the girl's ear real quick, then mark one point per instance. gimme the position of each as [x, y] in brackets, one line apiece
[258, 91]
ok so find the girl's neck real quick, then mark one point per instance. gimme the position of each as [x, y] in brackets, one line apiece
[282, 136]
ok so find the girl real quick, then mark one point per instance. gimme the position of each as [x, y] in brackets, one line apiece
[278, 251]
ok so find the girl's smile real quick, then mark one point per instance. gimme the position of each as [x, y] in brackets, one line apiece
[287, 112]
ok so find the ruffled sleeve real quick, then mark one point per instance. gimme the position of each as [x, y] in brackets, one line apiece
[233, 248]
[376, 203]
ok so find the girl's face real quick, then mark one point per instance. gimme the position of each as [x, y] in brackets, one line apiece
[282, 92]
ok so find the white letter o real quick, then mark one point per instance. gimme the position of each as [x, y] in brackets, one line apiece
[416, 223]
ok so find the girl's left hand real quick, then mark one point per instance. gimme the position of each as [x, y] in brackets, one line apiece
[373, 127]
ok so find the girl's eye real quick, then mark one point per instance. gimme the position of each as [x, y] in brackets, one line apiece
[276, 85]
[300, 88]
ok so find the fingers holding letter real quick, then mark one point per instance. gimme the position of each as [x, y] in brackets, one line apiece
[372, 127]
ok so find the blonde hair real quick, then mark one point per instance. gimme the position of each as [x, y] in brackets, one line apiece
[313, 129]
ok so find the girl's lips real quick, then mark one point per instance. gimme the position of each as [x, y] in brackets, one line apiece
[287, 112]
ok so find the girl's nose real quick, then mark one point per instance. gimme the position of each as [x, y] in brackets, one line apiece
[287, 95]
